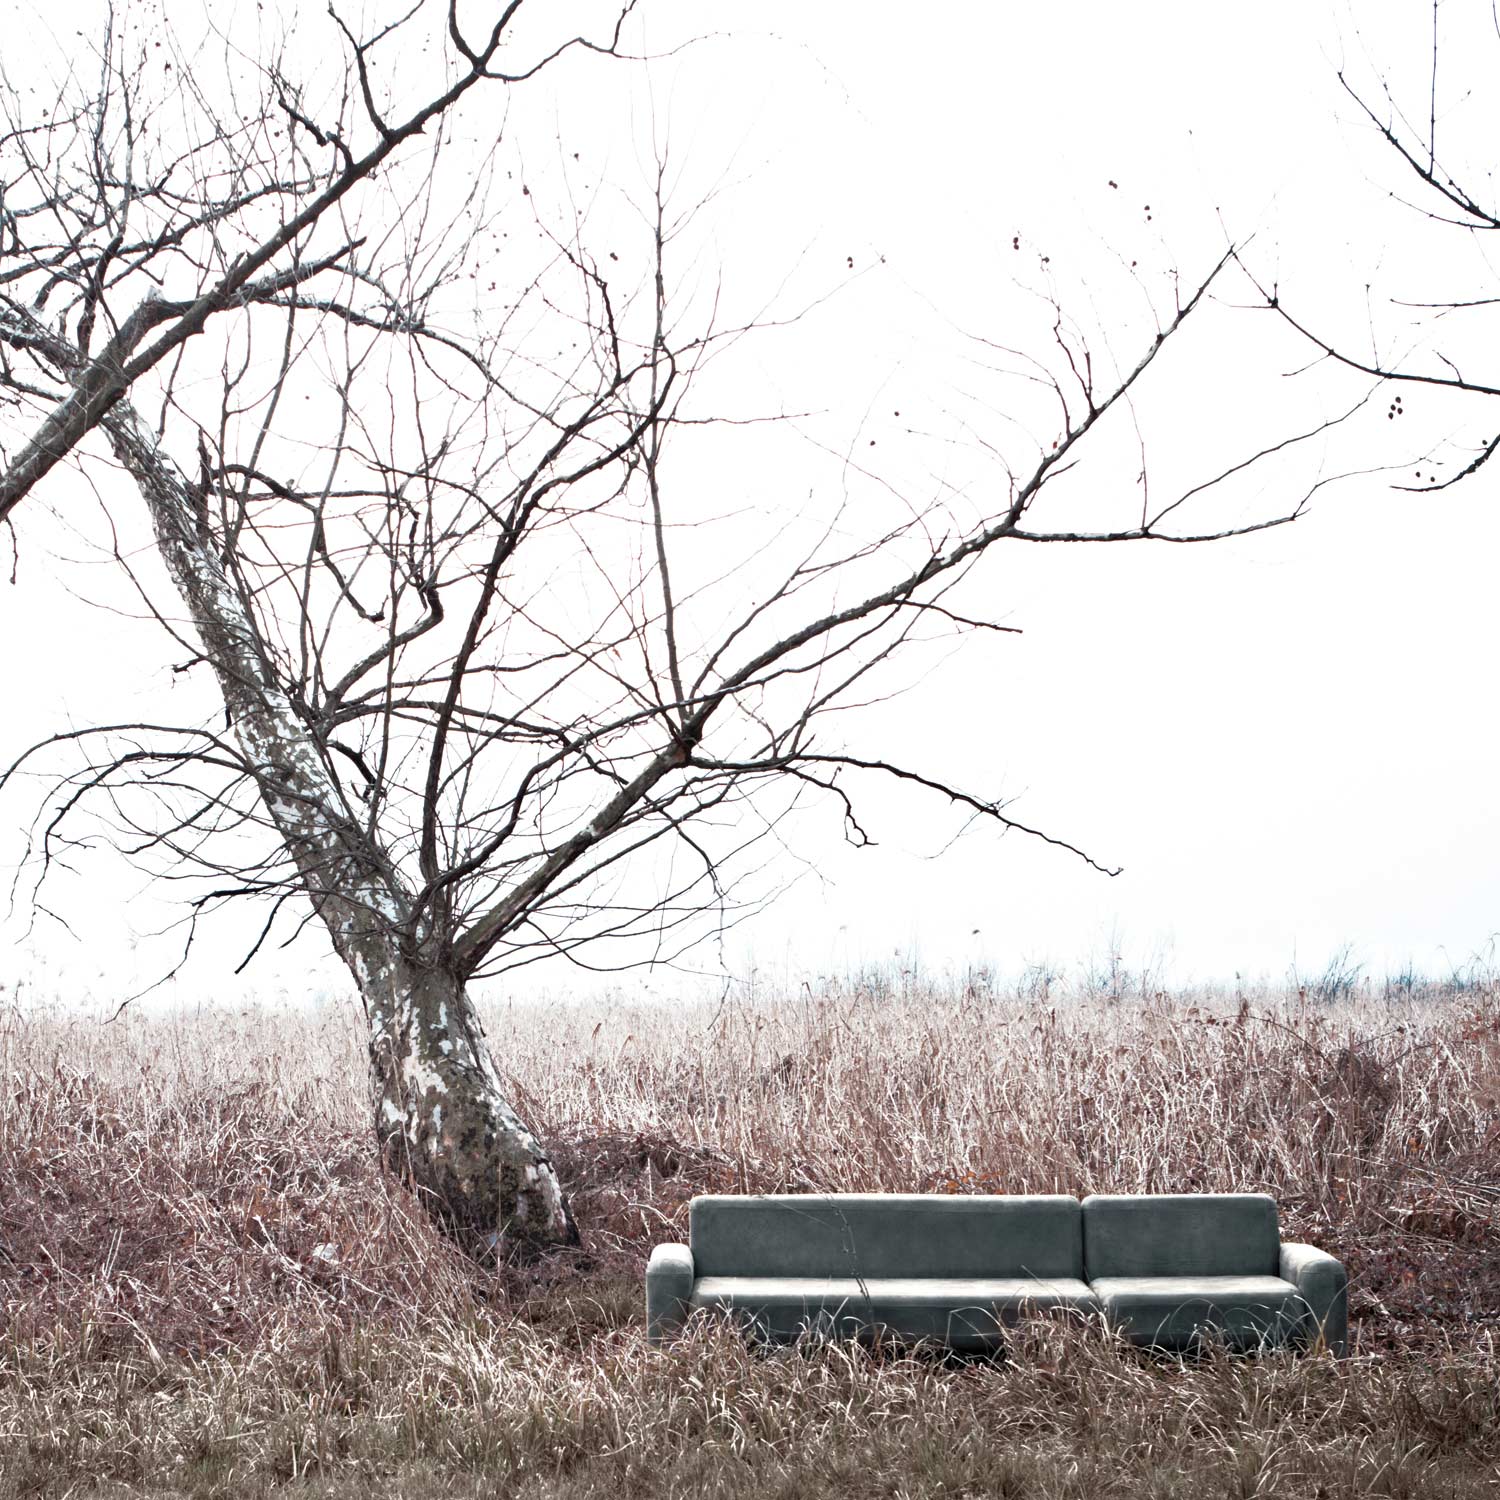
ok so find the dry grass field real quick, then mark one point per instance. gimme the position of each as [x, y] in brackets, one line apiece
[208, 1288]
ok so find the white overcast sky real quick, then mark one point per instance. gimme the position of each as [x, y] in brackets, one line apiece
[1288, 742]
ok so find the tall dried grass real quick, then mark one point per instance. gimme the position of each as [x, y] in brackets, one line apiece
[208, 1288]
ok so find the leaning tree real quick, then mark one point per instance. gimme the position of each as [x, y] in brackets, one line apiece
[486, 684]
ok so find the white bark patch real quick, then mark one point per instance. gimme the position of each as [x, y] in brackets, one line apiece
[417, 1079]
[418, 1082]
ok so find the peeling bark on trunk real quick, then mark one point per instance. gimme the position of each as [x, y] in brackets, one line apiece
[442, 1121]
[444, 1125]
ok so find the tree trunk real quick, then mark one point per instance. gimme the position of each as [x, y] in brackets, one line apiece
[443, 1122]
[441, 1118]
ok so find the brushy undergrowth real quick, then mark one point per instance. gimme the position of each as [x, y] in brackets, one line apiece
[208, 1288]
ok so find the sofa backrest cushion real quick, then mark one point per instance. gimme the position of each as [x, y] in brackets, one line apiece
[886, 1234]
[1187, 1234]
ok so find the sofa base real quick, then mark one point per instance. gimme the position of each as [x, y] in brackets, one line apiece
[965, 1315]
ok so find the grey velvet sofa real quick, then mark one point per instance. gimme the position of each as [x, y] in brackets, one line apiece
[1165, 1269]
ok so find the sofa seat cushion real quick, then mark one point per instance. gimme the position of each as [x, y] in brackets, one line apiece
[963, 1313]
[1174, 1312]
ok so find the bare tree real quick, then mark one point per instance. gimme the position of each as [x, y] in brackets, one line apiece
[476, 670]
[1418, 337]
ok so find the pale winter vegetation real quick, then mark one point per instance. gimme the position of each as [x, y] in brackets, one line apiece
[209, 1286]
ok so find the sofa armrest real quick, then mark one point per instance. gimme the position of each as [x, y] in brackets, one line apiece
[1324, 1286]
[669, 1284]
